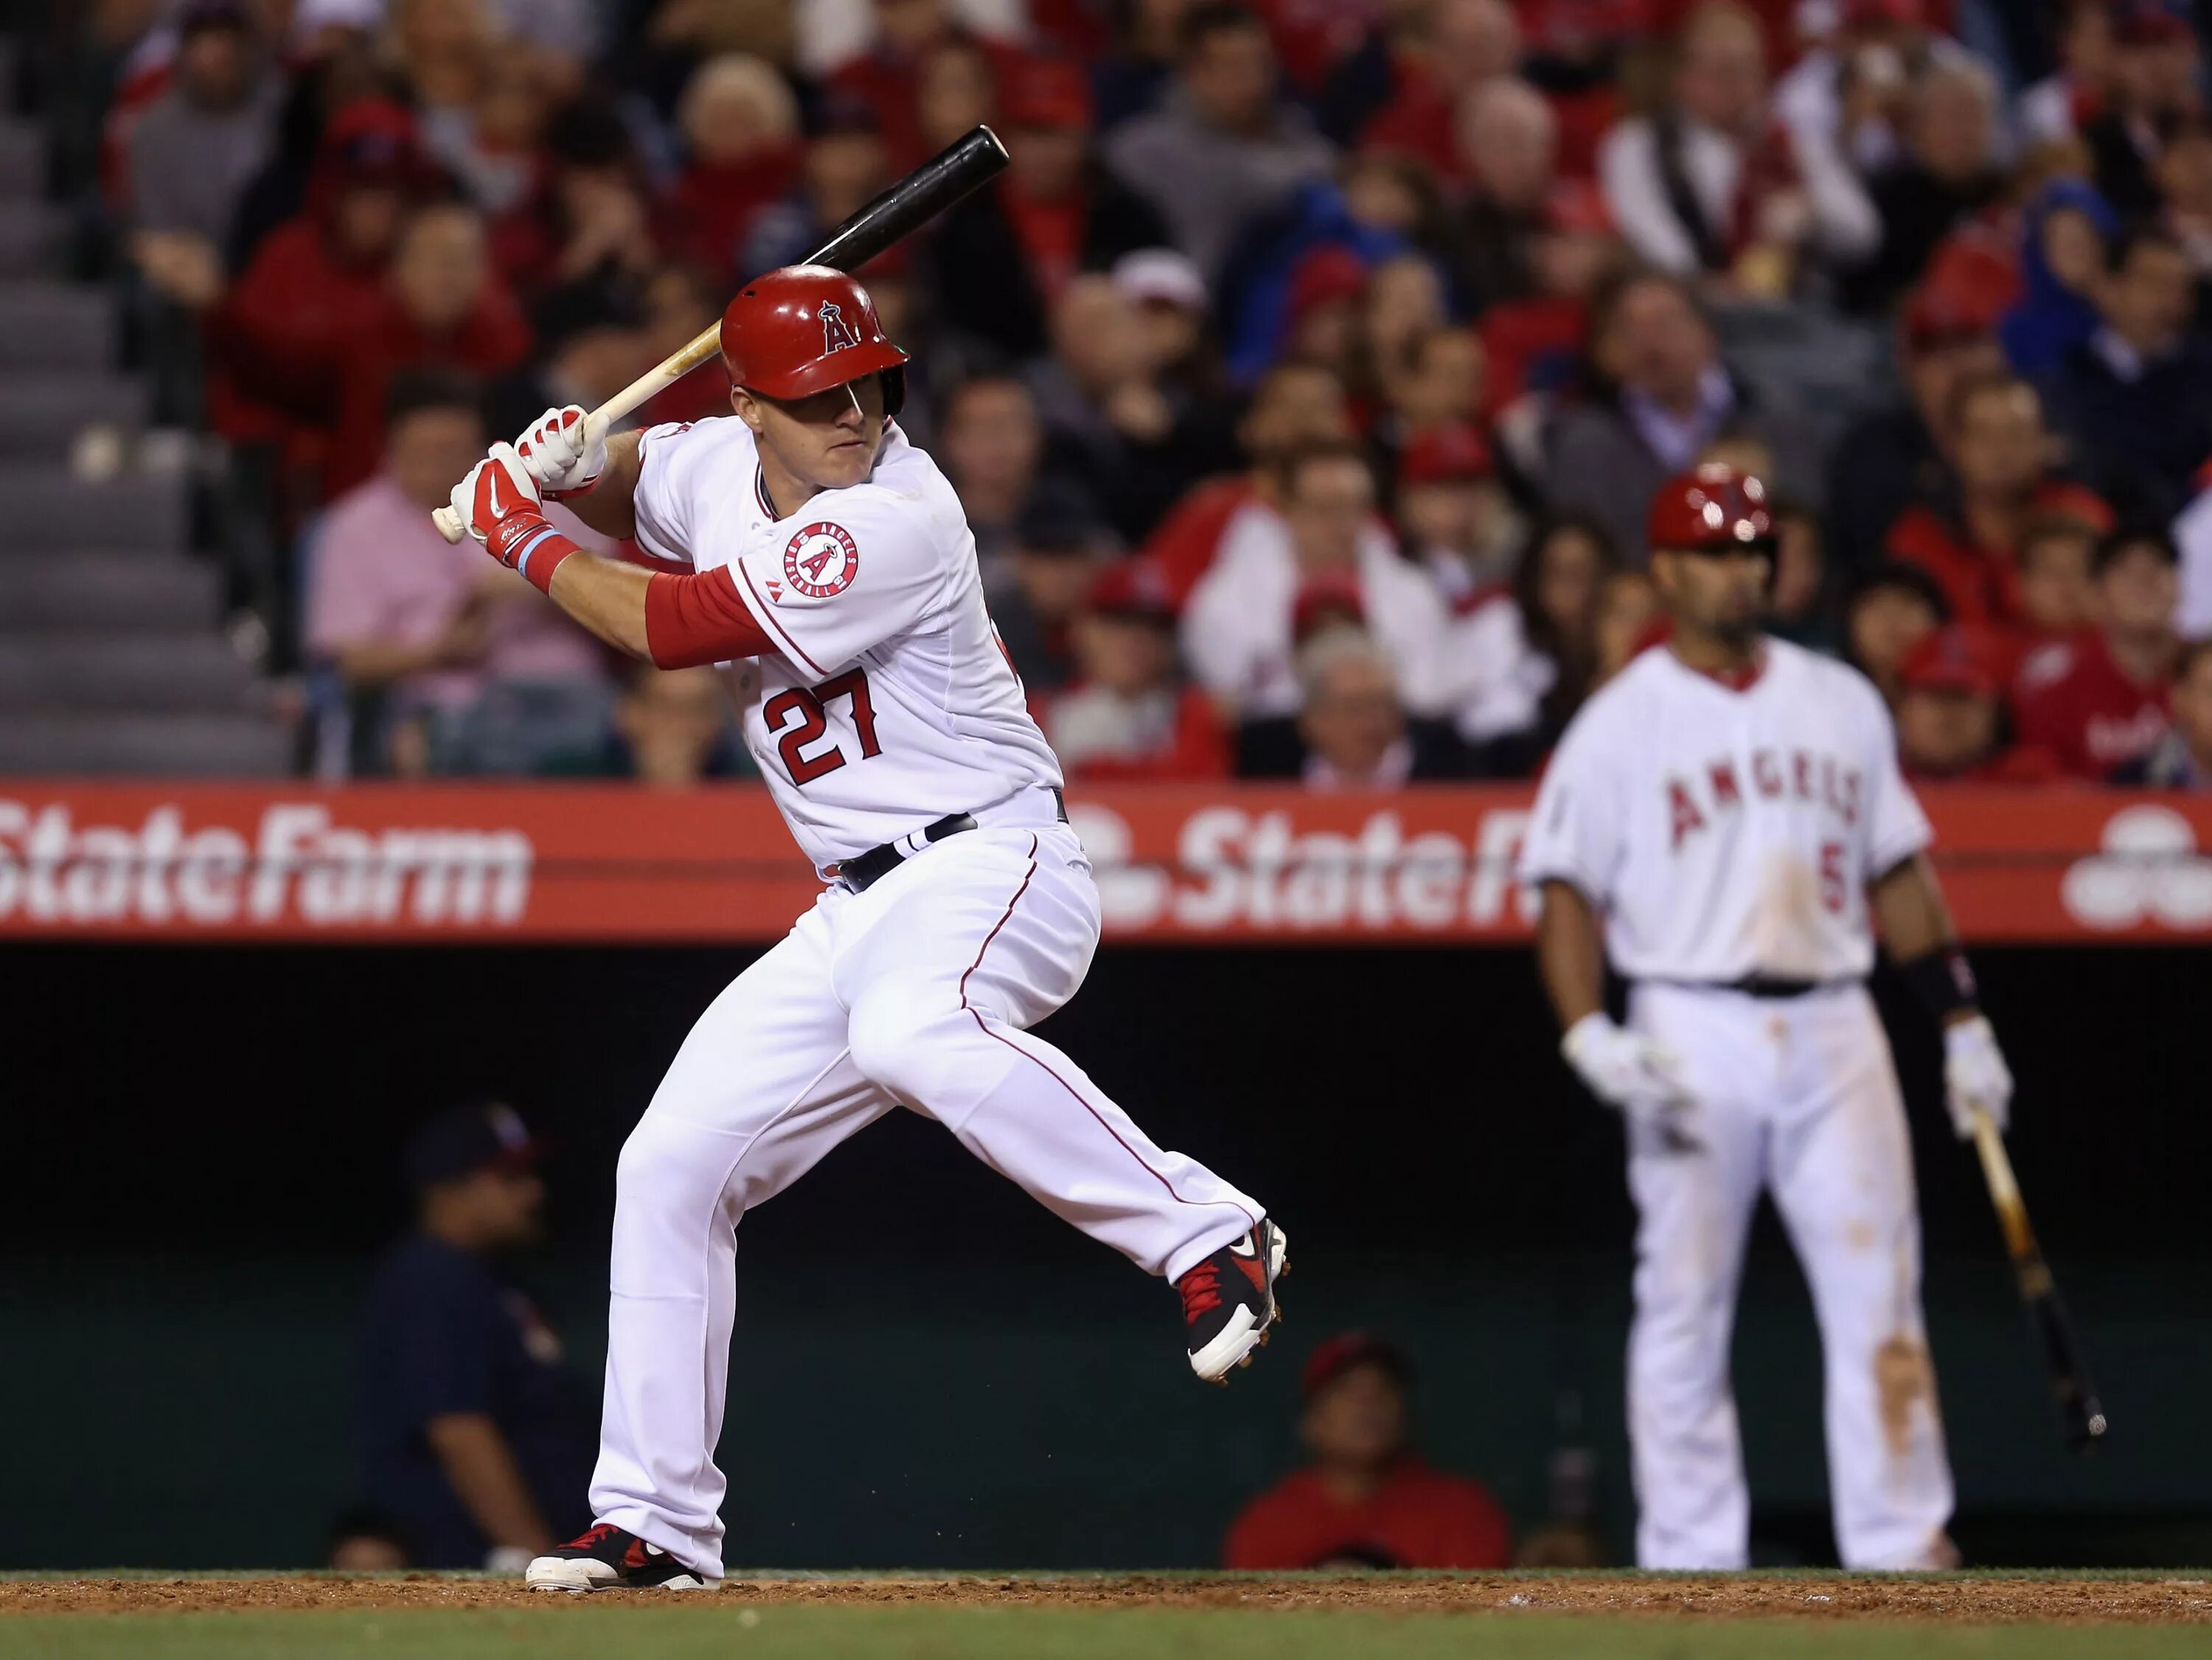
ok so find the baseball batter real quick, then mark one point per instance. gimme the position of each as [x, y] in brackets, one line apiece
[1725, 821]
[826, 564]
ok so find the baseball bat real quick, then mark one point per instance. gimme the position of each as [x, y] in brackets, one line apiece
[956, 171]
[2082, 1417]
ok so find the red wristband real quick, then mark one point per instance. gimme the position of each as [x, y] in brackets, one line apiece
[526, 543]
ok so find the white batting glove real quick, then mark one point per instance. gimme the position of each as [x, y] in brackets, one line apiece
[1975, 1074]
[1628, 1071]
[554, 452]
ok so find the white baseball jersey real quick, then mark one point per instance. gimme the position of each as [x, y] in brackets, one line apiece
[890, 702]
[1727, 832]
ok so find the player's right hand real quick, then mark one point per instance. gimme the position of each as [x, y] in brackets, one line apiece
[1627, 1071]
[558, 458]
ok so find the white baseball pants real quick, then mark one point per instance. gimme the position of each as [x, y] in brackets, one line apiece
[1797, 1095]
[915, 993]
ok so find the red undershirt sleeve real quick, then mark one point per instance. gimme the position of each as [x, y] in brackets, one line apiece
[700, 618]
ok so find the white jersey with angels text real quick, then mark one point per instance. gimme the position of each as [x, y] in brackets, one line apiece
[1727, 832]
[890, 702]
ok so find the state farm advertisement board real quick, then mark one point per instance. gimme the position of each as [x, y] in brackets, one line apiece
[477, 863]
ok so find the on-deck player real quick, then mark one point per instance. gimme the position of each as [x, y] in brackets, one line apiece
[1728, 811]
[827, 564]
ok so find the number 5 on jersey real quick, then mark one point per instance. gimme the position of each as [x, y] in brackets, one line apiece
[813, 724]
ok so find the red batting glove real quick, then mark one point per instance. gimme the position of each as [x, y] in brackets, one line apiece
[499, 500]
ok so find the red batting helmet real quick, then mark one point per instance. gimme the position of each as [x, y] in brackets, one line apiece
[1712, 508]
[804, 329]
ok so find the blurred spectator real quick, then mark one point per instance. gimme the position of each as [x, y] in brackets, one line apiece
[1890, 609]
[1134, 73]
[842, 167]
[1522, 659]
[680, 301]
[1668, 397]
[989, 443]
[497, 150]
[278, 191]
[2098, 701]
[2000, 481]
[445, 307]
[1628, 620]
[1511, 139]
[1172, 321]
[1394, 47]
[1799, 608]
[1002, 258]
[1241, 630]
[1951, 714]
[1107, 417]
[1056, 552]
[671, 728]
[2135, 399]
[740, 125]
[1295, 404]
[2182, 760]
[443, 49]
[1852, 90]
[2057, 575]
[1351, 724]
[1535, 344]
[397, 611]
[1223, 148]
[1467, 46]
[1947, 173]
[1366, 1500]
[2185, 183]
[592, 342]
[317, 283]
[1713, 185]
[1129, 717]
[1891, 457]
[1440, 386]
[194, 150]
[2064, 233]
[956, 90]
[888, 71]
[476, 1440]
[2062, 103]
[1454, 519]
[2154, 87]
[1400, 305]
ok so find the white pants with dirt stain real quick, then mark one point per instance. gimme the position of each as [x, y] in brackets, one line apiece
[1798, 1095]
[914, 993]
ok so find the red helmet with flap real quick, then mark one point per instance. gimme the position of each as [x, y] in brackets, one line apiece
[804, 329]
[1712, 508]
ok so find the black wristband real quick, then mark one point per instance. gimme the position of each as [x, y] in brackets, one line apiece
[1943, 981]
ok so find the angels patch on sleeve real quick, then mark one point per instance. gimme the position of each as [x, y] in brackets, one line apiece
[821, 560]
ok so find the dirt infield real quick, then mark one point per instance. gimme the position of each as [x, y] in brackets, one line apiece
[1966, 1598]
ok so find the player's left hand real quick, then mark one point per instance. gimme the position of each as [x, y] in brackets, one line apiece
[498, 501]
[1975, 1076]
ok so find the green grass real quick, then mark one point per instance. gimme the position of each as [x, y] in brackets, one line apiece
[838, 1633]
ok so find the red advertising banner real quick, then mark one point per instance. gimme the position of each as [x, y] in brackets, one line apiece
[612, 863]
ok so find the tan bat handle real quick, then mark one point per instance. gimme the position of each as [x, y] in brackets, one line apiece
[666, 374]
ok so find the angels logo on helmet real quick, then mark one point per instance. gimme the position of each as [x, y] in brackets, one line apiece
[837, 332]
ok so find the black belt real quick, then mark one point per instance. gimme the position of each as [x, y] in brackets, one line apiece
[863, 871]
[1757, 985]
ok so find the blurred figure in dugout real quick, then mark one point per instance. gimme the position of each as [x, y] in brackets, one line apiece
[1725, 822]
[1366, 1498]
[476, 1439]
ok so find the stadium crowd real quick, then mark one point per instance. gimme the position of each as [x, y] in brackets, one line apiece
[1305, 378]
